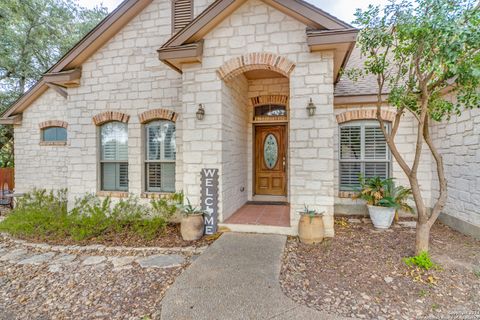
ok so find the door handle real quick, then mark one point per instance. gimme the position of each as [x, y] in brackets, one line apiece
[284, 163]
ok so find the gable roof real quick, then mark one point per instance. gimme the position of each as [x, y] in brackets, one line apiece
[324, 31]
[74, 58]
[186, 45]
[312, 16]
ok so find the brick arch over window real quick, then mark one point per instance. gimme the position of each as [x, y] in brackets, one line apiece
[270, 99]
[157, 114]
[53, 123]
[108, 116]
[255, 61]
[364, 115]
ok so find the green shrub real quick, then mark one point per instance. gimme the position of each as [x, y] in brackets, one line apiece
[422, 260]
[166, 207]
[39, 213]
[43, 214]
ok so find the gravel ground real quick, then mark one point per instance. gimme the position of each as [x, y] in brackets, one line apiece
[360, 274]
[96, 282]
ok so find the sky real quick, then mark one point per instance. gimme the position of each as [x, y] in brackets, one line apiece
[342, 9]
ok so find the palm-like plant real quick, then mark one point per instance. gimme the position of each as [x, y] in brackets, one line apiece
[383, 192]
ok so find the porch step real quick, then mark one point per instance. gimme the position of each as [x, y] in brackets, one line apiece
[255, 228]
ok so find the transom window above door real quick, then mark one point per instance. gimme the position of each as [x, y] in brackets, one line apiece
[270, 112]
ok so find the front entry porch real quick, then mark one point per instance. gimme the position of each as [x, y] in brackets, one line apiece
[260, 217]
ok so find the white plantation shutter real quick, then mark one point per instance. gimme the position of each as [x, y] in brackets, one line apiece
[160, 158]
[182, 14]
[114, 156]
[363, 151]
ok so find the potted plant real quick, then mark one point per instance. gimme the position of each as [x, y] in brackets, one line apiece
[383, 200]
[191, 225]
[310, 227]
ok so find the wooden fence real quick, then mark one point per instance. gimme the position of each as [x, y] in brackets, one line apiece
[7, 181]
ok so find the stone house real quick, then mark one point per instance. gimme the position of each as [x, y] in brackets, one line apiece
[161, 89]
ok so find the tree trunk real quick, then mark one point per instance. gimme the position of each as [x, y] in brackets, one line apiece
[423, 236]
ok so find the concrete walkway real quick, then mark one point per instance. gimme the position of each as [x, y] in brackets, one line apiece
[236, 278]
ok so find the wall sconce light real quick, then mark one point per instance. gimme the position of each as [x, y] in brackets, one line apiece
[311, 108]
[200, 112]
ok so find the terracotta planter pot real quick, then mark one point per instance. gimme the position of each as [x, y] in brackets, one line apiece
[381, 217]
[310, 229]
[191, 227]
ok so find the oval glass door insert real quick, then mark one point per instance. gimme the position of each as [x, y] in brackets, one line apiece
[270, 151]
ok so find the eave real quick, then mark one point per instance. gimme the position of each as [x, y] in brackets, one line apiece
[176, 56]
[68, 79]
[340, 41]
[358, 99]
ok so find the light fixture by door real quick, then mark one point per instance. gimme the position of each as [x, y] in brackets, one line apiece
[311, 108]
[200, 112]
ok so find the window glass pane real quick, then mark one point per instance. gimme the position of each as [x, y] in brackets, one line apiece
[160, 177]
[114, 176]
[350, 143]
[349, 175]
[375, 143]
[270, 110]
[114, 141]
[54, 134]
[109, 176]
[376, 169]
[161, 140]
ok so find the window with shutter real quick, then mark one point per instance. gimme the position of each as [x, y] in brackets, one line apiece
[363, 151]
[114, 156]
[182, 14]
[160, 156]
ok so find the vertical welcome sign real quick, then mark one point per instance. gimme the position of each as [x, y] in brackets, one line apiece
[209, 199]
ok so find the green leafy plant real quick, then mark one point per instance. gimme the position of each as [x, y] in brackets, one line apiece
[310, 212]
[167, 206]
[476, 272]
[44, 215]
[189, 210]
[384, 193]
[425, 56]
[422, 260]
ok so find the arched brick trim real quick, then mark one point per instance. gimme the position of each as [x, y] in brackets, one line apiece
[52, 123]
[364, 115]
[108, 116]
[157, 114]
[255, 61]
[270, 99]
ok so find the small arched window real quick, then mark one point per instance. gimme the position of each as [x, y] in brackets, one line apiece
[54, 134]
[160, 148]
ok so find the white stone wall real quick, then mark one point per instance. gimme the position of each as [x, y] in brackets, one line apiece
[458, 141]
[40, 166]
[256, 27]
[235, 148]
[124, 75]
[405, 140]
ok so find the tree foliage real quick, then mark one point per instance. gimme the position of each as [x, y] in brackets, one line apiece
[34, 34]
[423, 53]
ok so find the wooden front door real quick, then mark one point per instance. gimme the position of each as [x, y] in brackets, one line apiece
[270, 160]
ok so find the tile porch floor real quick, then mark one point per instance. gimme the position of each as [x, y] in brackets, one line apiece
[262, 214]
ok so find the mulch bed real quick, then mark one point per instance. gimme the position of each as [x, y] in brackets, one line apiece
[169, 238]
[360, 274]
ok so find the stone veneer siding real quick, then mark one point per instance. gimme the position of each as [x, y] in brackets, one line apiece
[123, 76]
[257, 27]
[458, 141]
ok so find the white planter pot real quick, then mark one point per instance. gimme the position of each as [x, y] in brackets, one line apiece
[381, 217]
